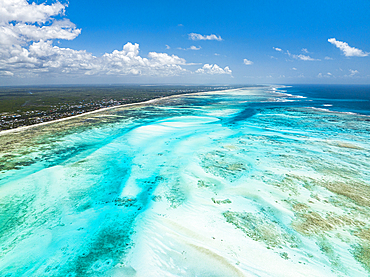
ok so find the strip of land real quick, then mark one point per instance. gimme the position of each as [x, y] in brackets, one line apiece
[25, 106]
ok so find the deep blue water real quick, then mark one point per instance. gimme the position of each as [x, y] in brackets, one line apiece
[343, 98]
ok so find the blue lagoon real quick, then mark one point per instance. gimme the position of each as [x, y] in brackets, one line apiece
[260, 181]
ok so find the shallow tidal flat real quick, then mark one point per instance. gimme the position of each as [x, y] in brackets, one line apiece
[246, 182]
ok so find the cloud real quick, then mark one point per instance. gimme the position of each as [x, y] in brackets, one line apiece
[194, 36]
[277, 49]
[327, 75]
[168, 47]
[195, 48]
[213, 69]
[6, 73]
[27, 33]
[159, 58]
[298, 57]
[328, 58]
[26, 47]
[294, 68]
[353, 72]
[21, 33]
[347, 50]
[22, 23]
[190, 48]
[43, 57]
[304, 50]
[247, 62]
[303, 58]
[27, 36]
[22, 11]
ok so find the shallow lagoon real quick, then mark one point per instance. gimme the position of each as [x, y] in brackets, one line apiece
[248, 182]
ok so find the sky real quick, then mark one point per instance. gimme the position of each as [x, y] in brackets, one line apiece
[184, 42]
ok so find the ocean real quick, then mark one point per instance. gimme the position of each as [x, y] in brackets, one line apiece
[259, 181]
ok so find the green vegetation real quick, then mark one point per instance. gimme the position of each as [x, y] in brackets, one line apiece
[22, 106]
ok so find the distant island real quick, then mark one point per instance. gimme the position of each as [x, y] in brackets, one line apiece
[23, 106]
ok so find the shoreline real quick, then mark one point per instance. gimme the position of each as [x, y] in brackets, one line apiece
[20, 129]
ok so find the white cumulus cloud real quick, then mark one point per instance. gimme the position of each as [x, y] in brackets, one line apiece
[247, 62]
[347, 50]
[22, 23]
[277, 49]
[194, 36]
[43, 57]
[63, 29]
[22, 11]
[195, 48]
[28, 32]
[213, 69]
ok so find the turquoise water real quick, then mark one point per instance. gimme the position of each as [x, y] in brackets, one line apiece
[268, 181]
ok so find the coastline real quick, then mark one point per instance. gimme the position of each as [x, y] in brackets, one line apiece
[20, 129]
[282, 186]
